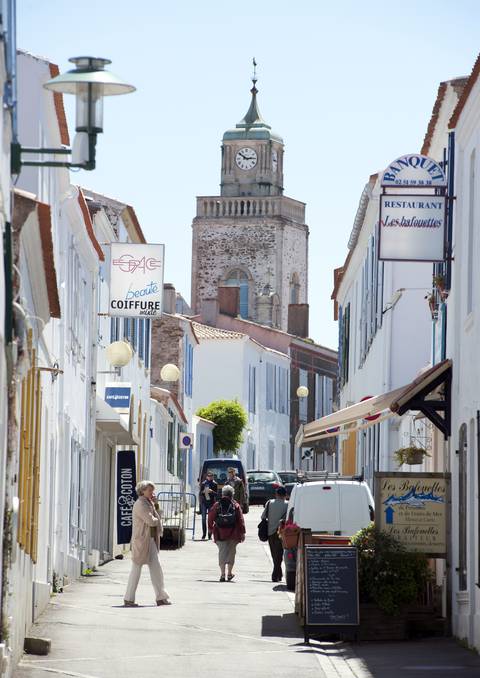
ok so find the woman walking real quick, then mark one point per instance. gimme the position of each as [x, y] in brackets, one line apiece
[225, 521]
[145, 544]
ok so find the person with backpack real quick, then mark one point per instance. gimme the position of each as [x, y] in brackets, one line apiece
[275, 511]
[226, 522]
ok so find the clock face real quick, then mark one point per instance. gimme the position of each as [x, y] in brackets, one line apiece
[246, 158]
[274, 161]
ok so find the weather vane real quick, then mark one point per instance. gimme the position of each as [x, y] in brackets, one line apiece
[254, 76]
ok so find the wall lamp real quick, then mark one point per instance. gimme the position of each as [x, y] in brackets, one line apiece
[89, 82]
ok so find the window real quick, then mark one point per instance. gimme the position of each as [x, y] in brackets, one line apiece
[471, 225]
[372, 296]
[303, 402]
[238, 278]
[462, 507]
[271, 454]
[285, 463]
[250, 456]
[271, 386]
[141, 339]
[323, 395]
[171, 447]
[188, 367]
[148, 326]
[114, 329]
[344, 344]
[282, 390]
[252, 388]
[29, 470]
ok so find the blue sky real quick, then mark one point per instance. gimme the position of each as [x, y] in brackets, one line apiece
[349, 86]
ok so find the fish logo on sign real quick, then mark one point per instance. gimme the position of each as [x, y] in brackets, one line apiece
[128, 264]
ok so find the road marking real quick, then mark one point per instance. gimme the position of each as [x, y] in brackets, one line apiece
[58, 671]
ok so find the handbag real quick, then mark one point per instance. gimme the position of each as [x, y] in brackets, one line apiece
[263, 527]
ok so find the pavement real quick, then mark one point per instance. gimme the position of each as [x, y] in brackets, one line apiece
[246, 627]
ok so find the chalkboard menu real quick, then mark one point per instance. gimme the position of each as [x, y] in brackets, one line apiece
[331, 586]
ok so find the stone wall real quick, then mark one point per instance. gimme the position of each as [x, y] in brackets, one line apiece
[167, 337]
[270, 249]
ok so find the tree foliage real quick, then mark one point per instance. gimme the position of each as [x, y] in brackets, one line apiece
[230, 419]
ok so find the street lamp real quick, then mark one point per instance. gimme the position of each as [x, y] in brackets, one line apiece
[89, 82]
[170, 372]
[119, 353]
[302, 392]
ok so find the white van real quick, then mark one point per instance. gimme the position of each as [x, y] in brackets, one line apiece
[333, 506]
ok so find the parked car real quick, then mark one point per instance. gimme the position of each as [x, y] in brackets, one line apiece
[219, 467]
[289, 480]
[332, 506]
[262, 485]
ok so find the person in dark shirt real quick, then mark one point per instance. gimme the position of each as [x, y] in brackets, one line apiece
[208, 496]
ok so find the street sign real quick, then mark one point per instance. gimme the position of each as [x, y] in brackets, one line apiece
[117, 395]
[413, 508]
[126, 495]
[136, 280]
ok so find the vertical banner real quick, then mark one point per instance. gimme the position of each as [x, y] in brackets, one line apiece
[136, 280]
[126, 495]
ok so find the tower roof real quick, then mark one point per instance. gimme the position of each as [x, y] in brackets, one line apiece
[252, 125]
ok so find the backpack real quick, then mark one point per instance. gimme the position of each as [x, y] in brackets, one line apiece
[226, 518]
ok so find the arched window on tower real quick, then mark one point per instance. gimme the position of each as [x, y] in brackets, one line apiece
[294, 289]
[239, 278]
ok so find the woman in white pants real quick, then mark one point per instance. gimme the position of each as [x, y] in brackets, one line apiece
[145, 544]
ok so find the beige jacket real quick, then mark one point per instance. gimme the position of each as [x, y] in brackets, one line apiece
[144, 517]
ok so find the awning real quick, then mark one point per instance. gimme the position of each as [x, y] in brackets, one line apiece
[421, 394]
[110, 422]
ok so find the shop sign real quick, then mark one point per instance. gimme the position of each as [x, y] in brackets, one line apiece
[117, 395]
[412, 227]
[126, 495]
[136, 280]
[415, 171]
[413, 508]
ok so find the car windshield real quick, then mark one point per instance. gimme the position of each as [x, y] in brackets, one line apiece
[288, 477]
[220, 472]
[262, 477]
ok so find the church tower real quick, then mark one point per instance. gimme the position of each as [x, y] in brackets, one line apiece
[251, 236]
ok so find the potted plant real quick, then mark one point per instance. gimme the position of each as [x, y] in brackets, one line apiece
[432, 304]
[439, 282]
[289, 533]
[411, 455]
[390, 580]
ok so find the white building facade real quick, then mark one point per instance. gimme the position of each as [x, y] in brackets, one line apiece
[384, 337]
[230, 365]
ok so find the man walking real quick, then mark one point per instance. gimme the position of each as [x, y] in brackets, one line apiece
[208, 496]
[238, 487]
[275, 511]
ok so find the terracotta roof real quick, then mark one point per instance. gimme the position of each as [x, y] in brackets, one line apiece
[458, 85]
[59, 109]
[136, 224]
[45, 223]
[89, 225]
[465, 94]
[208, 332]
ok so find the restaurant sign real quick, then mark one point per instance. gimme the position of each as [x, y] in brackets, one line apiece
[412, 227]
[413, 508]
[414, 171]
[136, 280]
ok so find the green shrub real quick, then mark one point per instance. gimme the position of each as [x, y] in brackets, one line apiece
[230, 419]
[389, 575]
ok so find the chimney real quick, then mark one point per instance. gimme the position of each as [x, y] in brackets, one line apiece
[298, 320]
[169, 298]
[209, 312]
[229, 301]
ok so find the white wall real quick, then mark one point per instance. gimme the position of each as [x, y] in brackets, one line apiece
[463, 340]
